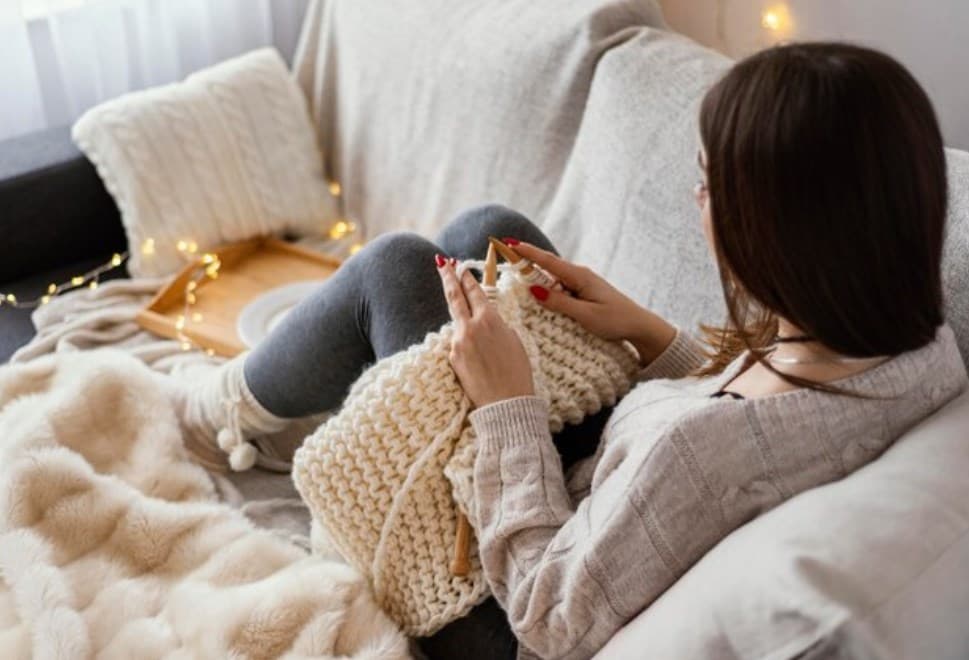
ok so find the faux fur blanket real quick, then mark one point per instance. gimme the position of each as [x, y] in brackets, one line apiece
[113, 544]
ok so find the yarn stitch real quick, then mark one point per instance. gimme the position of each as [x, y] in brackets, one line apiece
[386, 475]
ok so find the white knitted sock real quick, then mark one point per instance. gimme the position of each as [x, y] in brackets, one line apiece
[219, 412]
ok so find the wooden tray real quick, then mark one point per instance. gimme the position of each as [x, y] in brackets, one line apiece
[248, 269]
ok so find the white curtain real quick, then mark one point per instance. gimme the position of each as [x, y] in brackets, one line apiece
[60, 57]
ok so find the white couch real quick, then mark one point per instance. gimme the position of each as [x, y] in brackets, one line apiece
[582, 116]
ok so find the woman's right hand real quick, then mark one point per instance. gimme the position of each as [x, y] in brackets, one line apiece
[596, 305]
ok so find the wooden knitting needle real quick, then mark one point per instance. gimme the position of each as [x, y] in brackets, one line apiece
[461, 565]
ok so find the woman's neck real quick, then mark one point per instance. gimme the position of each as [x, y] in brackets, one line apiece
[819, 365]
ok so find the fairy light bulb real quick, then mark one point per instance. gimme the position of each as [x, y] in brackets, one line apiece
[148, 246]
[116, 259]
[777, 19]
[771, 20]
[356, 247]
[335, 188]
[77, 281]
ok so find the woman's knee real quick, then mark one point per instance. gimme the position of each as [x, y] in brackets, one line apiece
[394, 257]
[466, 235]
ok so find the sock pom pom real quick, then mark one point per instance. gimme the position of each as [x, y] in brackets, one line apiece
[227, 440]
[242, 457]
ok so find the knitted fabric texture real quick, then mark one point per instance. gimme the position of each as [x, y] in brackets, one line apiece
[387, 474]
[228, 154]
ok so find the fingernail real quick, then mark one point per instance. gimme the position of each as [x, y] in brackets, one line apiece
[439, 260]
[507, 240]
[454, 261]
[539, 292]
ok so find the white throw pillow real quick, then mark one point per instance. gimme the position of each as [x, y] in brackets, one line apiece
[228, 154]
[875, 565]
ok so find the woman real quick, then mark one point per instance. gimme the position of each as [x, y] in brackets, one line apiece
[823, 201]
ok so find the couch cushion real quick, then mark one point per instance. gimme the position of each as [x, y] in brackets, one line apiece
[626, 206]
[453, 103]
[225, 155]
[875, 562]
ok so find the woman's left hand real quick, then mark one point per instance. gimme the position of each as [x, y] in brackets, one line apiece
[486, 353]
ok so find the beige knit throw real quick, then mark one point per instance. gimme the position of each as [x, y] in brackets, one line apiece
[384, 477]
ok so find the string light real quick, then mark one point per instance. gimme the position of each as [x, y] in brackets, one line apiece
[90, 278]
[341, 229]
[207, 264]
[777, 19]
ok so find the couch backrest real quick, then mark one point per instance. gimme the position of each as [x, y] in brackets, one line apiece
[581, 115]
[427, 108]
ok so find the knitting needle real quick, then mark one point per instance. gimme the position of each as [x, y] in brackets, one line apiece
[461, 565]
[529, 271]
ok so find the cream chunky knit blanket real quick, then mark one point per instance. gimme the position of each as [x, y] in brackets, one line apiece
[112, 543]
[385, 476]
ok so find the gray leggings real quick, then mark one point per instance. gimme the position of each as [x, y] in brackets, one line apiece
[382, 300]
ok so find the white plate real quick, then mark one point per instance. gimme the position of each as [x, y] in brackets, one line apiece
[259, 317]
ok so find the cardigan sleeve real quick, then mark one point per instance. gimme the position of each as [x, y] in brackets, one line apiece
[683, 355]
[570, 577]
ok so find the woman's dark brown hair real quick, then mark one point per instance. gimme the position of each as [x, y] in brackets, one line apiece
[827, 183]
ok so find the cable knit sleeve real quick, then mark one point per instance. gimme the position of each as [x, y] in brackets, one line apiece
[570, 578]
[683, 355]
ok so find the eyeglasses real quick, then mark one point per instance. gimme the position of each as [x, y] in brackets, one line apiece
[700, 190]
[702, 193]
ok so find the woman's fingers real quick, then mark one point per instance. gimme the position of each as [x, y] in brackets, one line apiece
[573, 307]
[571, 275]
[457, 302]
[477, 298]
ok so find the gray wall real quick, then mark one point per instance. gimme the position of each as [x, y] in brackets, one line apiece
[930, 37]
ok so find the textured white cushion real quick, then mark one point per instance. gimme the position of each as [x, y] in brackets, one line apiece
[877, 562]
[427, 108]
[227, 154]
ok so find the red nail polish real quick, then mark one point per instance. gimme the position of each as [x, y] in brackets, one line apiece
[539, 292]
[439, 260]
[507, 240]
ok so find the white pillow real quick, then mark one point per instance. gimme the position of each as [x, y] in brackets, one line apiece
[875, 565]
[228, 154]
